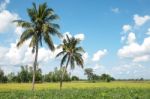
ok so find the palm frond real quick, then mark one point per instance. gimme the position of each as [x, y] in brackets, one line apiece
[63, 60]
[48, 41]
[34, 7]
[56, 26]
[79, 49]
[79, 59]
[60, 53]
[54, 31]
[25, 35]
[51, 17]
[72, 62]
[33, 42]
[23, 24]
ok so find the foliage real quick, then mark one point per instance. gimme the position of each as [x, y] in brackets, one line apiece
[93, 77]
[75, 78]
[26, 72]
[106, 77]
[3, 78]
[55, 76]
[89, 73]
[93, 93]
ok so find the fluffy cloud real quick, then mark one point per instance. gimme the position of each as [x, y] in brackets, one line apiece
[138, 52]
[126, 28]
[99, 54]
[131, 38]
[6, 19]
[140, 20]
[19, 30]
[85, 56]
[80, 36]
[24, 55]
[115, 10]
[143, 58]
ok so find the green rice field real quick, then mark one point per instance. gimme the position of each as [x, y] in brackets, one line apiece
[77, 90]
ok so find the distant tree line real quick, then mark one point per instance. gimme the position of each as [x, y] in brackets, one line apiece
[91, 76]
[26, 72]
[137, 79]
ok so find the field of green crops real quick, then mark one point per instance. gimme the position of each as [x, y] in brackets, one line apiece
[77, 90]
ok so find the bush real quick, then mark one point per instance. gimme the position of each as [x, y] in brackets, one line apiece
[75, 78]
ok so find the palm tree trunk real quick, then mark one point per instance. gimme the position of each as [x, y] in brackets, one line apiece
[34, 66]
[62, 75]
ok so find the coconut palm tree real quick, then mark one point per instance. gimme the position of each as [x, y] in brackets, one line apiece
[40, 27]
[72, 55]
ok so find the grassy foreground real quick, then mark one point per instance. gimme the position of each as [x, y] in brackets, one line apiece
[77, 90]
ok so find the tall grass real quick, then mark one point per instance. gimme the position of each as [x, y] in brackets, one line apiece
[92, 93]
[77, 90]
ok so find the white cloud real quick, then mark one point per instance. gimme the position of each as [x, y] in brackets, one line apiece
[148, 32]
[6, 19]
[131, 38]
[79, 36]
[97, 66]
[142, 58]
[140, 20]
[24, 55]
[99, 54]
[4, 4]
[85, 56]
[115, 10]
[126, 27]
[137, 52]
[19, 30]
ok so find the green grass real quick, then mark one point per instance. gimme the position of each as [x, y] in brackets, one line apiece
[77, 90]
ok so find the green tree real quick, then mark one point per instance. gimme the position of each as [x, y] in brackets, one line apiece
[95, 77]
[106, 77]
[10, 76]
[40, 27]
[48, 77]
[72, 54]
[89, 73]
[74, 78]
[3, 78]
[38, 74]
[23, 75]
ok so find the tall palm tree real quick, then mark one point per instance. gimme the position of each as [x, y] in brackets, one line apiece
[72, 55]
[40, 27]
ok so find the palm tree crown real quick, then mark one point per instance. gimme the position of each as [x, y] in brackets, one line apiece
[72, 54]
[40, 27]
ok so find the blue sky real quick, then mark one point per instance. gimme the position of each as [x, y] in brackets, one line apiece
[115, 35]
